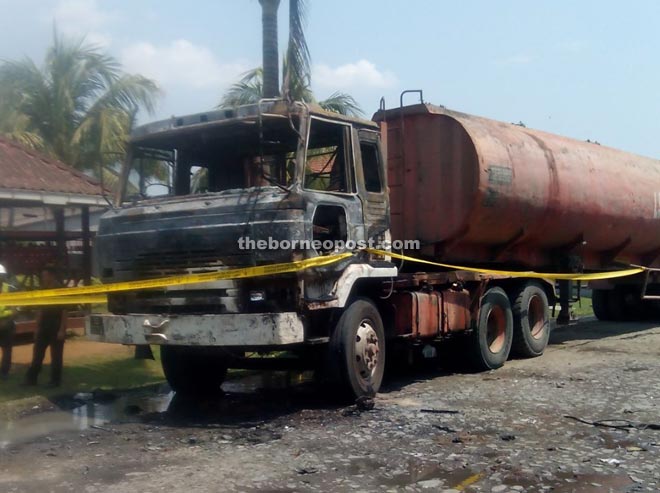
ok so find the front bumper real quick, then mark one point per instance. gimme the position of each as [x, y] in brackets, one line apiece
[242, 329]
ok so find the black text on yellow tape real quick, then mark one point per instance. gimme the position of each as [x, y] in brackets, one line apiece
[593, 276]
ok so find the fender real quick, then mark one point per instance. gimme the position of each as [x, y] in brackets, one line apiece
[343, 286]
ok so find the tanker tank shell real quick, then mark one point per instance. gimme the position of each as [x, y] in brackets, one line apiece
[480, 191]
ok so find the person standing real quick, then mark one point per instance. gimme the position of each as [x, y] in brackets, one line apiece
[51, 331]
[7, 326]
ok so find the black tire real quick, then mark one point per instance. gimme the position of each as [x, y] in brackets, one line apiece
[633, 305]
[617, 305]
[600, 305]
[652, 309]
[356, 352]
[531, 321]
[490, 343]
[193, 370]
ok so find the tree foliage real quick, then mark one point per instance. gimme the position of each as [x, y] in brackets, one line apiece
[78, 107]
[296, 68]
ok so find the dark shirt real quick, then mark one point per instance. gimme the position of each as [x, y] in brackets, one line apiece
[51, 318]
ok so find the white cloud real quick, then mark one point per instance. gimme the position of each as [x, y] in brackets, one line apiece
[181, 63]
[362, 73]
[83, 18]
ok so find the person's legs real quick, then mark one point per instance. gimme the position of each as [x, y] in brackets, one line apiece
[56, 361]
[40, 345]
[7, 329]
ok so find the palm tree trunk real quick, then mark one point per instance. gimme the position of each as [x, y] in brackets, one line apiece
[270, 52]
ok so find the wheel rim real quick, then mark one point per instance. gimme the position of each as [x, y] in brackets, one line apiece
[536, 316]
[496, 332]
[367, 350]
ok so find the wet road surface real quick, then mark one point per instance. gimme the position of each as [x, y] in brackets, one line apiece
[534, 425]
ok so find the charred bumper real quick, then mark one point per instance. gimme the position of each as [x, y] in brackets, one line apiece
[240, 329]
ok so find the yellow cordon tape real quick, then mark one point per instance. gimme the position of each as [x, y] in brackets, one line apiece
[92, 299]
[96, 294]
[26, 298]
[594, 276]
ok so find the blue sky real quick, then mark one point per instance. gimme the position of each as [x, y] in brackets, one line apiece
[587, 69]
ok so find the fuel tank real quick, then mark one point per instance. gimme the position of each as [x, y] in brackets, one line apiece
[479, 191]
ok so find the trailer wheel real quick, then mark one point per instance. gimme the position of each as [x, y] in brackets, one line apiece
[356, 353]
[491, 341]
[193, 370]
[531, 321]
[616, 305]
[652, 309]
[633, 305]
[600, 305]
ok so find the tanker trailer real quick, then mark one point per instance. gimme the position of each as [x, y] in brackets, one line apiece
[472, 191]
[476, 191]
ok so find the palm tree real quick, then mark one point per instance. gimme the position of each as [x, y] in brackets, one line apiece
[296, 85]
[79, 107]
[15, 125]
[297, 71]
[269, 47]
[248, 90]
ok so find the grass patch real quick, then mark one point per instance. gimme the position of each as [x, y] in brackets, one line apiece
[583, 308]
[116, 370]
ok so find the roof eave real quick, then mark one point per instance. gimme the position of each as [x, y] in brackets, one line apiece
[51, 198]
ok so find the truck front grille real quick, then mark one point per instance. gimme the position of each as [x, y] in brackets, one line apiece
[168, 263]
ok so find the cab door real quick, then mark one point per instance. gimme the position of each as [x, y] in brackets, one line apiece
[372, 184]
[329, 184]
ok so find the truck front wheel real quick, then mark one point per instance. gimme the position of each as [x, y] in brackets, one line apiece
[491, 341]
[193, 370]
[356, 354]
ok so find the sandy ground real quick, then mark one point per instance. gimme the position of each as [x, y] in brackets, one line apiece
[74, 350]
[434, 430]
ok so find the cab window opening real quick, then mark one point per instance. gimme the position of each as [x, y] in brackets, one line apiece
[326, 164]
[236, 156]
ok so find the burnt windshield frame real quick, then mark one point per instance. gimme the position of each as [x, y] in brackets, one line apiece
[238, 154]
[142, 162]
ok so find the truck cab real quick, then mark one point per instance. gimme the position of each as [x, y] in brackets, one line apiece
[273, 182]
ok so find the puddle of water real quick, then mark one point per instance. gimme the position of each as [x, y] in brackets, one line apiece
[81, 417]
[32, 427]
[129, 406]
[458, 478]
[269, 380]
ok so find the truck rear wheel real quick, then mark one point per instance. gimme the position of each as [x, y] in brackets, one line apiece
[600, 304]
[491, 341]
[531, 321]
[634, 307]
[193, 370]
[616, 303]
[356, 353]
[620, 304]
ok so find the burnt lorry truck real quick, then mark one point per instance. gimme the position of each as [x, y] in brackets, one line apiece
[278, 182]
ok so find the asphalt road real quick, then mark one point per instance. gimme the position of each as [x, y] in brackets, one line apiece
[430, 430]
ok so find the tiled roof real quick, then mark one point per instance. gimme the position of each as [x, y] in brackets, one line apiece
[29, 170]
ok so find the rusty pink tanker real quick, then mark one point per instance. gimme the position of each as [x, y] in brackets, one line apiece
[472, 191]
[481, 191]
